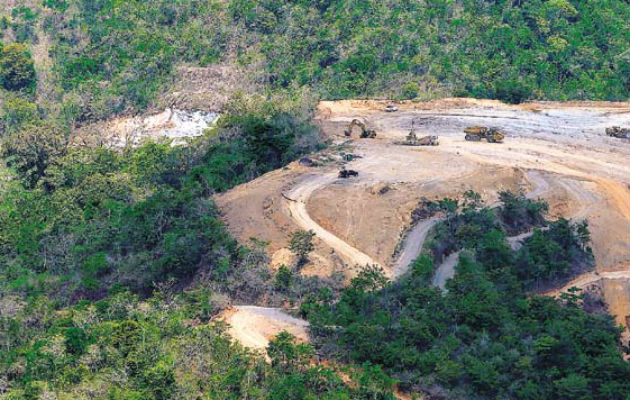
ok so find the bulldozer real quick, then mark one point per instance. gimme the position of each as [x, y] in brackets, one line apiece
[412, 139]
[618, 132]
[365, 132]
[347, 173]
[476, 133]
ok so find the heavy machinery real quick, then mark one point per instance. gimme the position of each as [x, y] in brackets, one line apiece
[412, 139]
[476, 133]
[618, 132]
[348, 156]
[365, 132]
[429, 140]
[347, 173]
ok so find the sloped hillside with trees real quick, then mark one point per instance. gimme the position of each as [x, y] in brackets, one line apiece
[116, 57]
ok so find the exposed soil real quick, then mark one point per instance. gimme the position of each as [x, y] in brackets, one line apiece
[255, 326]
[171, 123]
[556, 151]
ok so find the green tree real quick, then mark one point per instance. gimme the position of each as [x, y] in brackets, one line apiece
[301, 243]
[17, 70]
[286, 354]
[284, 278]
[16, 112]
[32, 149]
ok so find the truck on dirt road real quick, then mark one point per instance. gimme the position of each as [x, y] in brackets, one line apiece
[477, 133]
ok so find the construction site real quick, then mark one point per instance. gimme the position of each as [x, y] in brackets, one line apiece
[358, 195]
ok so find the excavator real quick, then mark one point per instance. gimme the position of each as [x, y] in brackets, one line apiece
[618, 132]
[365, 132]
[476, 133]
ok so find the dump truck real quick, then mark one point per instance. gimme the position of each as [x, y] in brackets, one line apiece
[365, 132]
[477, 133]
[618, 132]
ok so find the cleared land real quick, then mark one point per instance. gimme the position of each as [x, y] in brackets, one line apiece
[556, 151]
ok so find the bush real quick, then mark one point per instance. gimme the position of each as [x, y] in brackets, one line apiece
[410, 90]
[512, 91]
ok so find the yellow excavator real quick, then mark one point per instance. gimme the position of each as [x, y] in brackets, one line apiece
[476, 133]
[365, 132]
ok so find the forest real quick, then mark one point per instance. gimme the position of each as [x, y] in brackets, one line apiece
[488, 336]
[114, 57]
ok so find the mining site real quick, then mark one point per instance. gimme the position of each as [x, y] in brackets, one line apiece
[554, 151]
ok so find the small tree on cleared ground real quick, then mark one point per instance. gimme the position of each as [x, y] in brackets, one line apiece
[301, 244]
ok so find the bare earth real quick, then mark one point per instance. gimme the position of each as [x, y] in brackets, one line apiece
[254, 326]
[556, 151]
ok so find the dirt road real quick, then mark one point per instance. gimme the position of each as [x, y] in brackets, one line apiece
[557, 151]
[295, 203]
[446, 270]
[590, 278]
[412, 246]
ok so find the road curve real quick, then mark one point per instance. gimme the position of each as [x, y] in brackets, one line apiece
[589, 278]
[412, 246]
[295, 202]
[446, 270]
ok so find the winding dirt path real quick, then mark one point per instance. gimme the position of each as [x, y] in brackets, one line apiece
[295, 202]
[583, 173]
[413, 246]
[446, 269]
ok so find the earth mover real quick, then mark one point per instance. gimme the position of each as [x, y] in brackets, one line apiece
[476, 133]
[413, 140]
[618, 132]
[365, 132]
[347, 173]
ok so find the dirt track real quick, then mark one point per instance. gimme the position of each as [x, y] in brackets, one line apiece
[295, 202]
[557, 151]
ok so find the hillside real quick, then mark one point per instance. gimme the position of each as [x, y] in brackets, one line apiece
[183, 217]
[115, 57]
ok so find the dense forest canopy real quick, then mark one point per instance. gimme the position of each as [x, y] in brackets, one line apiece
[113, 56]
[487, 337]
